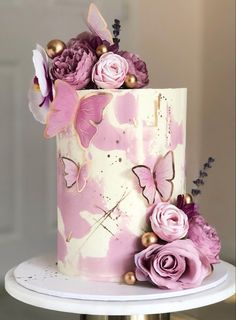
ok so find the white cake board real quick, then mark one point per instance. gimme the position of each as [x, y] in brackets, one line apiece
[40, 274]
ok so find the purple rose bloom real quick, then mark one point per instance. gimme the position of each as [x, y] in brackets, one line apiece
[137, 67]
[205, 238]
[74, 65]
[190, 209]
[175, 265]
[92, 41]
[82, 38]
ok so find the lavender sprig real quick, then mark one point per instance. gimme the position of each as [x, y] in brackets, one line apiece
[202, 175]
[116, 31]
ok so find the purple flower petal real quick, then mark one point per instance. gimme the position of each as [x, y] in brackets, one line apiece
[205, 238]
[40, 61]
[38, 104]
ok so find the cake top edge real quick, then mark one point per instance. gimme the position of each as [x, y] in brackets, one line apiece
[132, 90]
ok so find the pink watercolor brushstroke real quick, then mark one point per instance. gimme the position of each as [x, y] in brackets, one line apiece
[119, 258]
[177, 134]
[71, 204]
[110, 138]
[61, 247]
[126, 108]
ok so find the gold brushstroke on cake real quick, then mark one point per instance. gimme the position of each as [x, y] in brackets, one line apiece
[135, 122]
[68, 238]
[105, 227]
[157, 106]
[103, 218]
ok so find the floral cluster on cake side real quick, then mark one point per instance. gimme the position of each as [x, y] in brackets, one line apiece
[180, 246]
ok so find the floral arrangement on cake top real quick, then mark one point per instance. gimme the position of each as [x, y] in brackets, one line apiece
[180, 246]
[92, 60]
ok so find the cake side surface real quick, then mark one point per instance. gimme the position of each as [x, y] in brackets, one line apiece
[102, 205]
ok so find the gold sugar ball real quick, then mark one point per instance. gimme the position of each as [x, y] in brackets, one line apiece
[188, 198]
[129, 278]
[54, 48]
[101, 50]
[149, 238]
[130, 81]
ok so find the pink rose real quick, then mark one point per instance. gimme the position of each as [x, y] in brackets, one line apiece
[137, 67]
[175, 265]
[205, 237]
[110, 71]
[169, 222]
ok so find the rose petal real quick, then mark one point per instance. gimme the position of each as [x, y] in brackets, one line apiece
[35, 99]
[175, 265]
[169, 222]
[41, 69]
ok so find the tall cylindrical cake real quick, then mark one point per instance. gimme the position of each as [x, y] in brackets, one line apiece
[123, 213]
[112, 165]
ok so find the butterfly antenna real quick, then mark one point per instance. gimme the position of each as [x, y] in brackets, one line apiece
[199, 182]
[116, 31]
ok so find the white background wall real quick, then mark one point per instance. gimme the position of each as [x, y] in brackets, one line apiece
[186, 43]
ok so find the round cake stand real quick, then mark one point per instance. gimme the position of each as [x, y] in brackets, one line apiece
[96, 308]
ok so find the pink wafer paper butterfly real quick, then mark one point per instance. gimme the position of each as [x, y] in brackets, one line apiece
[158, 180]
[74, 174]
[97, 24]
[66, 108]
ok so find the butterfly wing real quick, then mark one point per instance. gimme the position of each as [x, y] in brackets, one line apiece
[82, 178]
[71, 171]
[89, 115]
[163, 174]
[146, 182]
[61, 109]
[97, 24]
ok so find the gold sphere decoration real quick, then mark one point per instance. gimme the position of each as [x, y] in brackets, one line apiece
[188, 198]
[101, 50]
[130, 81]
[129, 278]
[149, 238]
[54, 48]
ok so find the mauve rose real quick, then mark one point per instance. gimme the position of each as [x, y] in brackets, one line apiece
[110, 71]
[175, 265]
[137, 67]
[74, 66]
[92, 41]
[84, 38]
[205, 237]
[169, 222]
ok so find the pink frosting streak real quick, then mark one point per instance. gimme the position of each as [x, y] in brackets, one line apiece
[126, 108]
[177, 134]
[61, 247]
[71, 203]
[119, 259]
